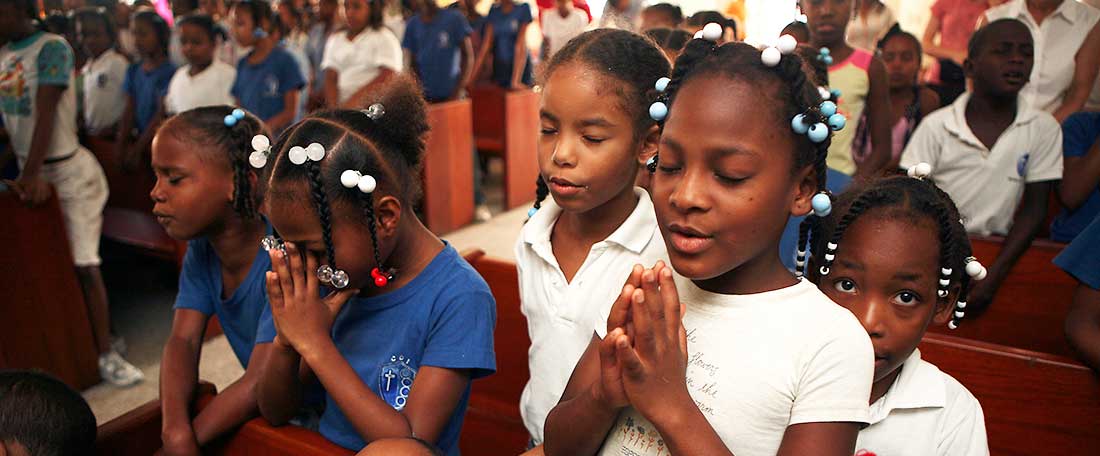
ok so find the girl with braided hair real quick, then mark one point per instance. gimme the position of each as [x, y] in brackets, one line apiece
[406, 323]
[205, 193]
[895, 254]
[731, 353]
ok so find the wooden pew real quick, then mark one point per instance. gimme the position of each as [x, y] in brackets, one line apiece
[129, 189]
[1034, 403]
[493, 424]
[506, 124]
[44, 321]
[1030, 308]
[448, 167]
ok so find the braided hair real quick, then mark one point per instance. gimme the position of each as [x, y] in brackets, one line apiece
[632, 60]
[205, 128]
[901, 196]
[390, 148]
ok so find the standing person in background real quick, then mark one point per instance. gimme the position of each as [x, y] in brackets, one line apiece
[289, 34]
[1067, 51]
[953, 21]
[1079, 190]
[327, 22]
[360, 58]
[871, 20]
[662, 15]
[620, 14]
[560, 26]
[180, 8]
[477, 25]
[268, 79]
[204, 81]
[126, 46]
[146, 84]
[505, 32]
[438, 49]
[103, 73]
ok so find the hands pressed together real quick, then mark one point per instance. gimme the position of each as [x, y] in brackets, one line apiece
[303, 319]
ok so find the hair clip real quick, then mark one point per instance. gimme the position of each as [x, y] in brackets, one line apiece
[771, 55]
[975, 270]
[712, 32]
[352, 178]
[375, 111]
[919, 171]
[231, 119]
[822, 204]
[381, 279]
[335, 277]
[651, 164]
[270, 242]
[262, 148]
[259, 33]
[313, 152]
[823, 55]
[532, 211]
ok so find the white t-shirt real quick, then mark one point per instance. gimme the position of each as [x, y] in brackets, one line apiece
[926, 412]
[985, 184]
[360, 60]
[560, 314]
[559, 30]
[760, 363]
[1057, 41]
[103, 92]
[39, 59]
[208, 88]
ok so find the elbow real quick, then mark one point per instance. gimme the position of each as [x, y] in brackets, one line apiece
[1070, 199]
[271, 409]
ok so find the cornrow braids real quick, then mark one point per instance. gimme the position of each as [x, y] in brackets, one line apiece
[324, 213]
[902, 196]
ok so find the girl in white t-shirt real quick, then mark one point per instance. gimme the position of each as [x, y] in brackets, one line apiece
[578, 247]
[362, 57]
[895, 254]
[103, 72]
[204, 81]
[731, 354]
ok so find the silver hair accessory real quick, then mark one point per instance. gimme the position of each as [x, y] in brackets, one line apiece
[299, 155]
[375, 111]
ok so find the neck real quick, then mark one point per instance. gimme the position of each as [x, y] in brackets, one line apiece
[197, 67]
[758, 275]
[1045, 6]
[835, 47]
[413, 250]
[352, 33]
[880, 387]
[903, 93]
[598, 223]
[263, 47]
[987, 104]
[153, 60]
[235, 232]
[563, 12]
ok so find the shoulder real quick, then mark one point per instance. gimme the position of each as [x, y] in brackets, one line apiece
[937, 118]
[1000, 11]
[1082, 122]
[929, 100]
[1043, 123]
[815, 315]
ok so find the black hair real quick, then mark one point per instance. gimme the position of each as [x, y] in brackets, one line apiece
[204, 23]
[980, 36]
[160, 27]
[390, 148]
[702, 18]
[187, 6]
[96, 13]
[899, 33]
[666, 38]
[672, 12]
[259, 10]
[29, 7]
[797, 26]
[909, 199]
[797, 94]
[58, 23]
[627, 57]
[205, 128]
[44, 415]
[284, 28]
[375, 19]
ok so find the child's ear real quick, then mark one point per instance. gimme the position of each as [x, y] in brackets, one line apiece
[649, 145]
[804, 191]
[968, 68]
[387, 216]
[945, 307]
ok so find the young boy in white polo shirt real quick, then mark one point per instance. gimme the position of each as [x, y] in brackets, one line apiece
[996, 156]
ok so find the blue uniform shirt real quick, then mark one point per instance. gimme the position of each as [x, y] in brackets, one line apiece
[201, 290]
[436, 47]
[260, 88]
[1079, 132]
[505, 33]
[835, 182]
[147, 88]
[1081, 259]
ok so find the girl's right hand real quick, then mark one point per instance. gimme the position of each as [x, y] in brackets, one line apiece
[609, 389]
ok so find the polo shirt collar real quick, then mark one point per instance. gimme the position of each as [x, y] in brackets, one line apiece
[919, 385]
[1066, 11]
[634, 234]
[957, 125]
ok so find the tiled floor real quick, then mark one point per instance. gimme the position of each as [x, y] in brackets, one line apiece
[142, 292]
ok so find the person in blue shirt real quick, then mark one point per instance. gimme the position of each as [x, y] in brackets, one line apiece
[1081, 261]
[406, 323]
[268, 78]
[145, 85]
[1079, 190]
[505, 29]
[204, 194]
[438, 47]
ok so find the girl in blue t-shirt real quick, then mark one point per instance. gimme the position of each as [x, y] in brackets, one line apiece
[204, 194]
[505, 29]
[268, 78]
[145, 85]
[406, 323]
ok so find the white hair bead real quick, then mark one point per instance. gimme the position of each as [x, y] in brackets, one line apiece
[981, 275]
[367, 184]
[952, 325]
[825, 94]
[829, 257]
[961, 304]
[315, 152]
[771, 56]
[959, 314]
[257, 159]
[941, 293]
[698, 35]
[831, 246]
[786, 44]
[297, 155]
[350, 178]
[920, 170]
[945, 282]
[973, 268]
[799, 263]
[260, 142]
[712, 32]
[946, 272]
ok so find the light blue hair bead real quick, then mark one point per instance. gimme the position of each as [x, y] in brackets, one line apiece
[238, 113]
[818, 132]
[823, 51]
[827, 59]
[658, 111]
[822, 205]
[798, 124]
[531, 212]
[836, 93]
[662, 84]
[837, 121]
[828, 108]
[230, 120]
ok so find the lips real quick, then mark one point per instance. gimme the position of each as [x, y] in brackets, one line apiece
[688, 240]
[1014, 77]
[562, 187]
[162, 218]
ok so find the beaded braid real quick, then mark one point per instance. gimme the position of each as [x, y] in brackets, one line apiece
[368, 208]
[243, 201]
[323, 211]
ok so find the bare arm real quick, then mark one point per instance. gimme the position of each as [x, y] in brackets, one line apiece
[332, 92]
[1084, 76]
[467, 72]
[234, 405]
[486, 45]
[45, 99]
[137, 156]
[837, 439]
[878, 109]
[1029, 219]
[179, 373]
[932, 48]
[279, 388]
[519, 59]
[581, 420]
[357, 99]
[1083, 325]
[286, 116]
[1080, 177]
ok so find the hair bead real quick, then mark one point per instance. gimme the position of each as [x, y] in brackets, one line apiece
[658, 111]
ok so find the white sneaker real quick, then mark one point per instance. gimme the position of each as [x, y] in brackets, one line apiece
[118, 344]
[482, 213]
[117, 371]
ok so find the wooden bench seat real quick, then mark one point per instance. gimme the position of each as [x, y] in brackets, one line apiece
[1034, 403]
[1030, 308]
[506, 124]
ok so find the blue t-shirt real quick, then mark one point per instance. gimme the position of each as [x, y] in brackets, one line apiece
[260, 88]
[147, 88]
[836, 182]
[1080, 258]
[505, 30]
[201, 290]
[436, 47]
[1079, 132]
[443, 318]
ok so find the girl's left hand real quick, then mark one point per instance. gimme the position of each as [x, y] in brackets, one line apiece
[655, 366]
[302, 317]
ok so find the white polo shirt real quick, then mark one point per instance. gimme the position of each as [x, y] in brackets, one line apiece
[104, 99]
[985, 184]
[208, 88]
[1057, 40]
[926, 412]
[357, 62]
[560, 314]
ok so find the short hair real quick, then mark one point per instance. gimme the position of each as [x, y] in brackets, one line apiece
[160, 27]
[669, 38]
[981, 36]
[672, 12]
[204, 23]
[96, 13]
[899, 33]
[702, 18]
[44, 415]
